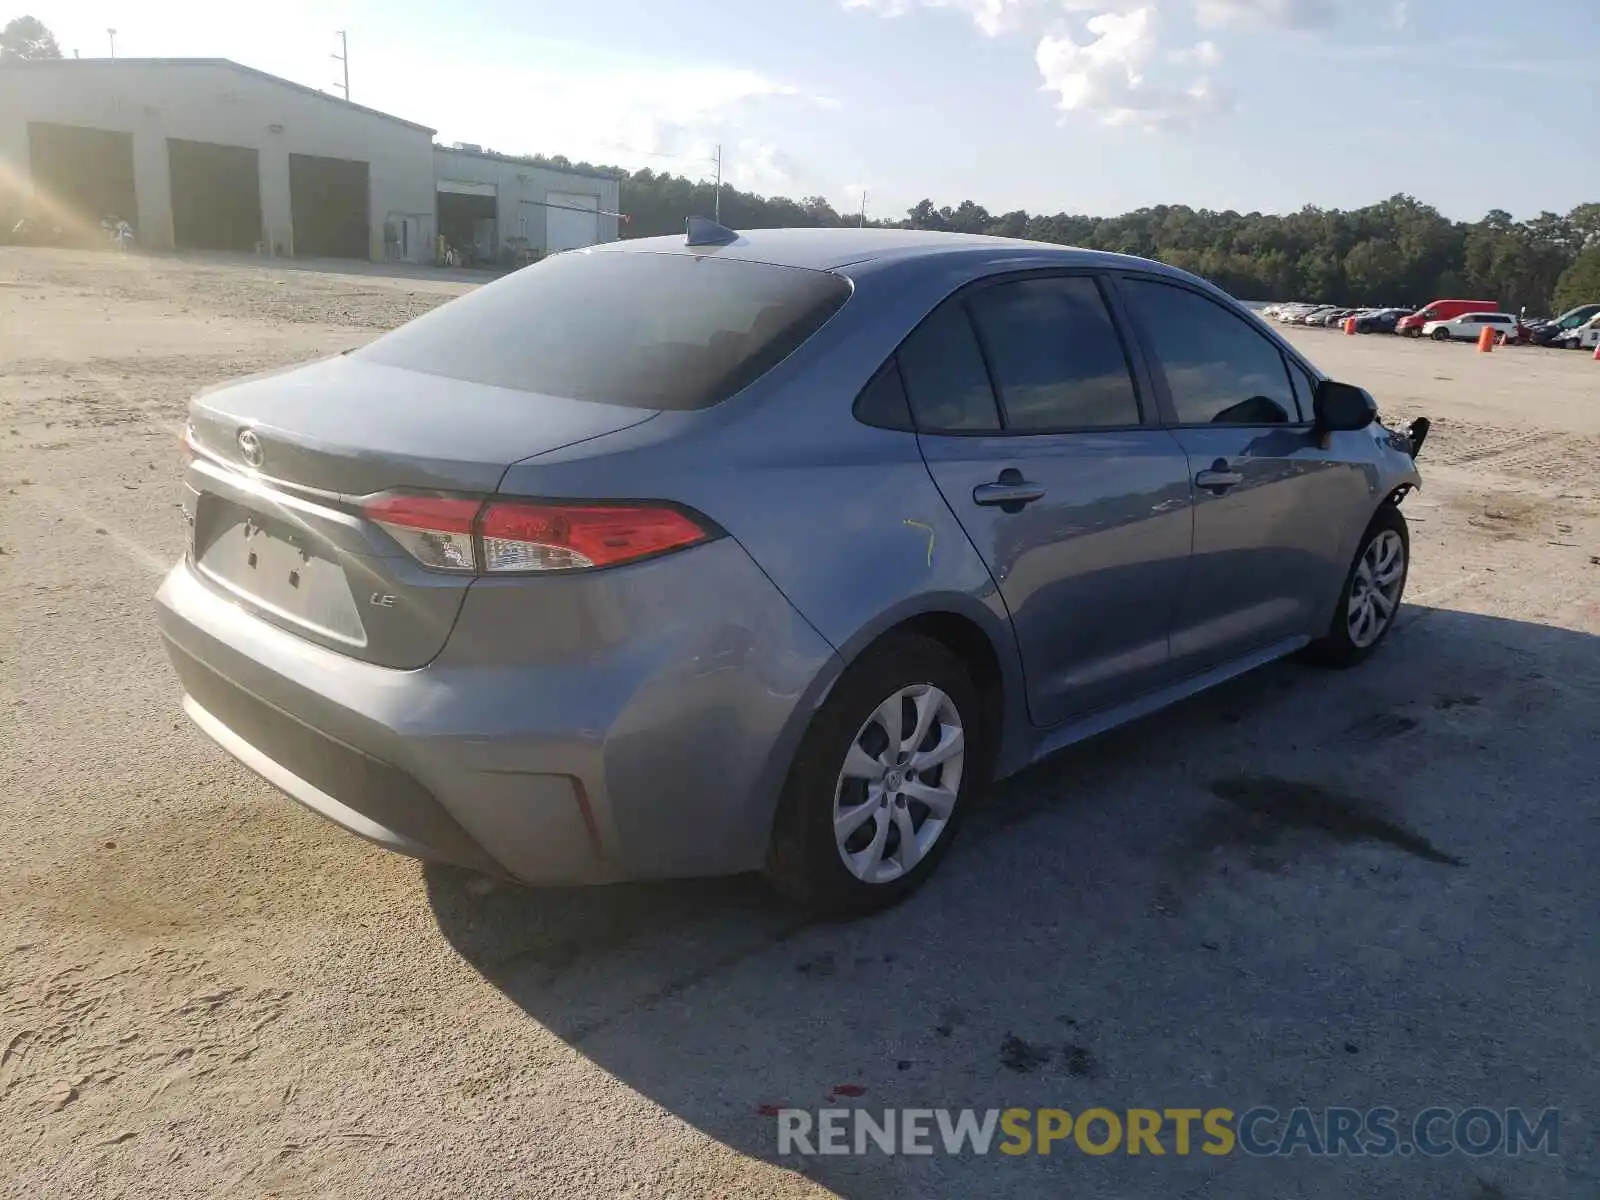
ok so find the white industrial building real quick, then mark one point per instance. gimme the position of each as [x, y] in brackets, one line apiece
[496, 204]
[208, 154]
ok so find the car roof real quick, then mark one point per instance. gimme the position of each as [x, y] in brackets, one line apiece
[831, 249]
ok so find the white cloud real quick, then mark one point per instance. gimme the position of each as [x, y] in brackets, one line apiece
[666, 118]
[996, 17]
[1107, 77]
[1201, 54]
[759, 166]
[991, 16]
[1276, 14]
[1120, 73]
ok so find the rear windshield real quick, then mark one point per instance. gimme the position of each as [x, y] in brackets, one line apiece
[671, 331]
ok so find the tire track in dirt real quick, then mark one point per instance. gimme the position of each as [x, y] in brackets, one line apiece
[1549, 458]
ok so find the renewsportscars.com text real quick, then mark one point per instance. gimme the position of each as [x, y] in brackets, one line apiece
[1260, 1132]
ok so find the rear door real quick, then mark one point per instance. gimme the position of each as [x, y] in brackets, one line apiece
[1275, 514]
[1030, 422]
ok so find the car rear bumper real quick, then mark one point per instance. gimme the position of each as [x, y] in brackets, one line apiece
[603, 736]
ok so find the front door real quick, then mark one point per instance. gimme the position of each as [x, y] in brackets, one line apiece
[1275, 515]
[1030, 423]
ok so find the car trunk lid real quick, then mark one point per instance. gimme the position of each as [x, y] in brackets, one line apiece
[284, 462]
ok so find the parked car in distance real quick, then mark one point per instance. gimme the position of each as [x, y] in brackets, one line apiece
[1470, 327]
[1298, 314]
[1440, 310]
[1381, 320]
[1584, 337]
[1309, 315]
[1545, 333]
[472, 592]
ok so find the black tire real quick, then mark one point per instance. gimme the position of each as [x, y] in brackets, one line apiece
[1441, 335]
[1336, 647]
[804, 859]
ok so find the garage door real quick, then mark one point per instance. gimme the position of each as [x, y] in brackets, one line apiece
[85, 174]
[566, 229]
[216, 195]
[328, 204]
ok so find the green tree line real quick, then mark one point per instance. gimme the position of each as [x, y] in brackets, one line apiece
[1399, 251]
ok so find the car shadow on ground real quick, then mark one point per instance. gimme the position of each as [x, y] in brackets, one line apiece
[1304, 887]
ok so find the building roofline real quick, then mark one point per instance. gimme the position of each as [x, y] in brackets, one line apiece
[34, 64]
[588, 173]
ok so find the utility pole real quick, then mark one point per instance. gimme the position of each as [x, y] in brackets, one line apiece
[863, 208]
[716, 205]
[112, 34]
[343, 57]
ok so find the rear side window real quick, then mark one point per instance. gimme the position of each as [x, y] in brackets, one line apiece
[1219, 368]
[1056, 358]
[945, 378]
[670, 331]
[883, 401]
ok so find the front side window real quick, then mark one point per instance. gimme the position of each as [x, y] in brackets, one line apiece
[1305, 389]
[1219, 369]
[1055, 356]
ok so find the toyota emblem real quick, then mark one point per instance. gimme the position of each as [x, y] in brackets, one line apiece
[250, 447]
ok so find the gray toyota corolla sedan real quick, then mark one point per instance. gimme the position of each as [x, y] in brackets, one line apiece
[698, 555]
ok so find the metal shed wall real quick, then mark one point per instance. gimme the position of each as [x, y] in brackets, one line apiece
[213, 100]
[523, 189]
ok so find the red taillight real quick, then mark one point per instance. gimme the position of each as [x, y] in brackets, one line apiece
[435, 530]
[520, 536]
[511, 536]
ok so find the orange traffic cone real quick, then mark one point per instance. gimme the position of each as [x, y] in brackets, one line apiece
[1486, 340]
[1350, 325]
[1597, 352]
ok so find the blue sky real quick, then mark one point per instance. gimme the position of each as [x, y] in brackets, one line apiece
[1095, 106]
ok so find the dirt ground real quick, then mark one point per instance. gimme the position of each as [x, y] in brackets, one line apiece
[1374, 887]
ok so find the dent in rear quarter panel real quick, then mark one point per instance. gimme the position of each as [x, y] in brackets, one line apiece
[669, 689]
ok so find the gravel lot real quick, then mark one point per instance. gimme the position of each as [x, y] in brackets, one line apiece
[1367, 888]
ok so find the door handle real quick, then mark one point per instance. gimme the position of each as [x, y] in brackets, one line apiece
[1010, 492]
[1219, 477]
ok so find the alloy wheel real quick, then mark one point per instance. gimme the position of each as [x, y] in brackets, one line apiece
[898, 786]
[1375, 590]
